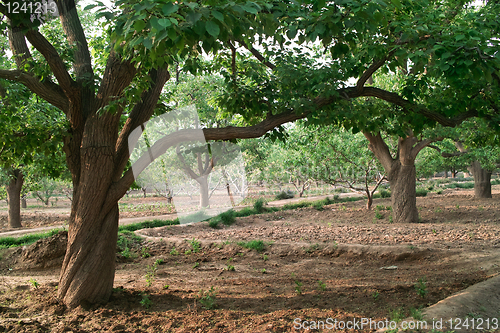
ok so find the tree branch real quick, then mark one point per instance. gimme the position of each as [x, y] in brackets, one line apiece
[369, 72]
[53, 59]
[257, 55]
[421, 145]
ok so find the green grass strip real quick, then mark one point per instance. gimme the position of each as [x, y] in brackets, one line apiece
[6, 242]
[147, 224]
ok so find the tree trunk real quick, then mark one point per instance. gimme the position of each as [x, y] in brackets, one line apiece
[14, 197]
[403, 193]
[369, 202]
[23, 202]
[204, 197]
[482, 180]
[88, 270]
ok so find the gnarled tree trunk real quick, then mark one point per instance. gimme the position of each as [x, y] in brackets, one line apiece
[401, 173]
[14, 187]
[482, 180]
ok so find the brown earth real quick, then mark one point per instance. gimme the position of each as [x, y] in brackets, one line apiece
[342, 263]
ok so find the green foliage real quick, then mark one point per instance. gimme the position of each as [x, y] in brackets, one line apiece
[6, 242]
[384, 193]
[375, 295]
[256, 245]
[321, 285]
[151, 274]
[33, 283]
[258, 205]
[421, 192]
[208, 298]
[227, 218]
[229, 267]
[174, 251]
[147, 224]
[145, 301]
[421, 287]
[195, 245]
[397, 314]
[284, 195]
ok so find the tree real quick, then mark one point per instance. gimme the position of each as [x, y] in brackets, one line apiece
[104, 103]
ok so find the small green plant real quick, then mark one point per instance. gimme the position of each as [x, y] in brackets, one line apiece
[33, 283]
[390, 219]
[256, 245]
[150, 274]
[174, 251]
[421, 192]
[375, 295]
[319, 205]
[208, 298]
[321, 285]
[195, 245]
[165, 287]
[438, 210]
[228, 217]
[434, 231]
[421, 287]
[159, 261]
[416, 313]
[312, 248]
[298, 287]
[188, 252]
[258, 205]
[196, 264]
[457, 206]
[145, 252]
[384, 193]
[263, 271]
[397, 314]
[213, 223]
[145, 301]
[284, 195]
[379, 215]
[229, 267]
[265, 257]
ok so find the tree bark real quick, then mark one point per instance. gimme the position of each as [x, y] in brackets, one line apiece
[23, 202]
[482, 180]
[88, 269]
[14, 197]
[204, 196]
[403, 193]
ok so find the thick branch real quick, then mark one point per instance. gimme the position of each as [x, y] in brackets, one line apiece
[446, 155]
[422, 144]
[53, 59]
[380, 149]
[369, 72]
[49, 91]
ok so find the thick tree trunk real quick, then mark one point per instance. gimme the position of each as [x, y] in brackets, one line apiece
[14, 197]
[403, 193]
[482, 180]
[23, 202]
[88, 269]
[204, 197]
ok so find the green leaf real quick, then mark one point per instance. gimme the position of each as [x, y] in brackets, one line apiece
[213, 28]
[164, 22]
[218, 15]
[169, 8]
[249, 9]
[139, 25]
[193, 17]
[397, 3]
[148, 43]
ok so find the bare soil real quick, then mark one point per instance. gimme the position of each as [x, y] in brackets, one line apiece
[343, 262]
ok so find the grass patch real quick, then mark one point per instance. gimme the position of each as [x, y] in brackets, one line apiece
[6, 242]
[256, 245]
[421, 192]
[147, 224]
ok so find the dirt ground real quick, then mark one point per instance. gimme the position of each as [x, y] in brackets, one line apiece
[344, 263]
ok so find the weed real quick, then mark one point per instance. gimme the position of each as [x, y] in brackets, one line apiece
[298, 287]
[421, 287]
[411, 247]
[480, 208]
[258, 205]
[397, 314]
[208, 298]
[421, 192]
[434, 231]
[188, 252]
[379, 215]
[33, 283]
[265, 257]
[165, 287]
[390, 219]
[457, 206]
[319, 205]
[321, 285]
[384, 193]
[229, 267]
[159, 261]
[174, 251]
[145, 252]
[195, 245]
[375, 295]
[263, 270]
[150, 274]
[256, 245]
[438, 210]
[312, 248]
[416, 313]
[145, 301]
[213, 223]
[196, 265]
[240, 254]
[284, 195]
